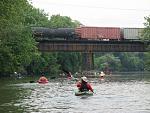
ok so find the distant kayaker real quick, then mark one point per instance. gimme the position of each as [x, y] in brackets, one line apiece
[84, 85]
[43, 79]
[69, 75]
[102, 74]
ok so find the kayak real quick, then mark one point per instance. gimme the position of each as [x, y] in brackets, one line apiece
[88, 93]
[42, 82]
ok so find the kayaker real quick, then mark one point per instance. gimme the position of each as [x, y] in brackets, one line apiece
[43, 79]
[102, 74]
[69, 75]
[84, 85]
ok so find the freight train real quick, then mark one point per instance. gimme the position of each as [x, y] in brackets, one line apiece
[87, 33]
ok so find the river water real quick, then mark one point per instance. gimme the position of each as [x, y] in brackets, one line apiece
[114, 94]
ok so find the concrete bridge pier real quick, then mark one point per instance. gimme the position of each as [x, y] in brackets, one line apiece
[87, 61]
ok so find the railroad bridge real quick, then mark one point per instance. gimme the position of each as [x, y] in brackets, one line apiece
[88, 47]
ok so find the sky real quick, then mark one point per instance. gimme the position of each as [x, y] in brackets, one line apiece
[100, 13]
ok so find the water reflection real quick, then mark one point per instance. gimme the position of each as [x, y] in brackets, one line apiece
[116, 94]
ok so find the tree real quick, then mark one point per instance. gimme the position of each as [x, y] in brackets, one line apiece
[146, 36]
[107, 60]
[46, 64]
[58, 21]
[131, 62]
[17, 47]
[146, 33]
[70, 61]
[35, 17]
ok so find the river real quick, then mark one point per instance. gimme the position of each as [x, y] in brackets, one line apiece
[114, 94]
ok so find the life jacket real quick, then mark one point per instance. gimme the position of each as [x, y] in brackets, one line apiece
[84, 87]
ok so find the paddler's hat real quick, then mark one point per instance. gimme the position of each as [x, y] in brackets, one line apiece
[102, 72]
[84, 79]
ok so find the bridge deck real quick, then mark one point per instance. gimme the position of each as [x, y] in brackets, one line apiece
[91, 46]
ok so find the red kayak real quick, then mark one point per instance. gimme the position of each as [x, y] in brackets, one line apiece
[42, 82]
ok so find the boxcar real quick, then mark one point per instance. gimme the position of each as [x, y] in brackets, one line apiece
[98, 33]
[132, 33]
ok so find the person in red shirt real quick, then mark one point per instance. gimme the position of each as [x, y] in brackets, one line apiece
[84, 85]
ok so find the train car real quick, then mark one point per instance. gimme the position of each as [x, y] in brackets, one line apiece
[49, 33]
[132, 33]
[98, 33]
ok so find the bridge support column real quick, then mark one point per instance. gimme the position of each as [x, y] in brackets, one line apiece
[88, 61]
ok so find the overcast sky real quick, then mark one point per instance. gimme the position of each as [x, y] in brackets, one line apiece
[107, 13]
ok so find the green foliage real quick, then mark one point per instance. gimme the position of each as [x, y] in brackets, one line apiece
[131, 62]
[18, 51]
[120, 61]
[70, 61]
[17, 47]
[147, 61]
[146, 33]
[108, 60]
[58, 21]
[146, 36]
[35, 17]
[12, 11]
[46, 63]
